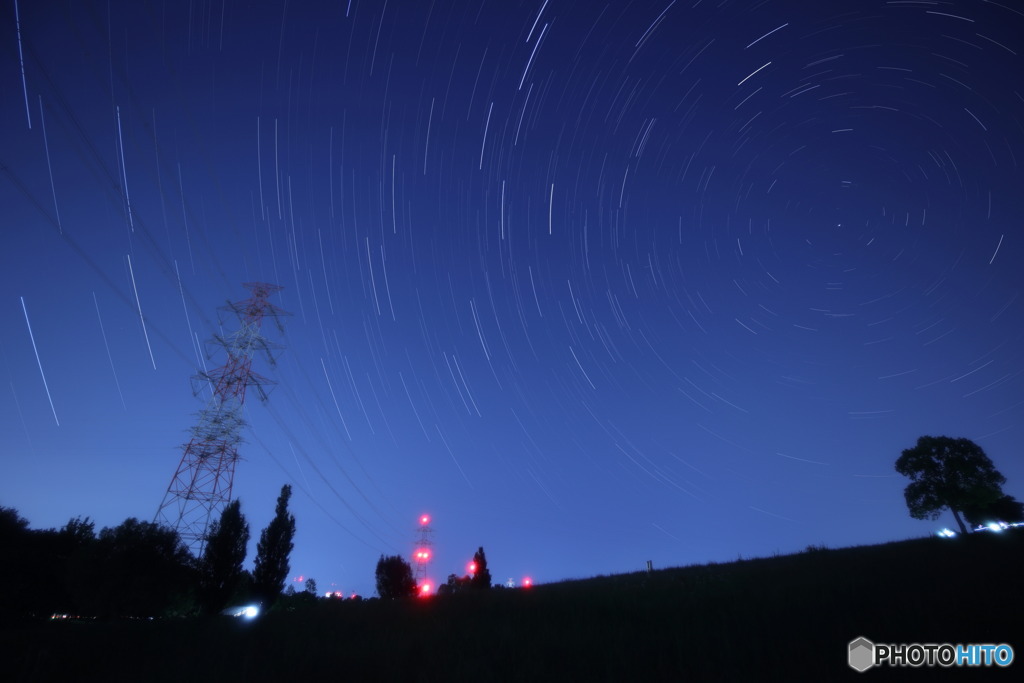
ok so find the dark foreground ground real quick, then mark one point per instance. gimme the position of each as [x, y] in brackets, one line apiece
[786, 618]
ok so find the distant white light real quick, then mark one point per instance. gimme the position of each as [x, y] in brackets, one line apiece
[245, 611]
[947, 533]
[995, 526]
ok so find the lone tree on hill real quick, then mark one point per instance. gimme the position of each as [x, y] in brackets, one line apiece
[223, 556]
[273, 550]
[482, 576]
[948, 473]
[394, 578]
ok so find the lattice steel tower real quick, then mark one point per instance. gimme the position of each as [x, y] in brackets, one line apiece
[201, 486]
[423, 552]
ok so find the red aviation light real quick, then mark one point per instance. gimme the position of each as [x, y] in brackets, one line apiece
[424, 520]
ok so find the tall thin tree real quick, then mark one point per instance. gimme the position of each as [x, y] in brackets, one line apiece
[482, 576]
[223, 555]
[273, 550]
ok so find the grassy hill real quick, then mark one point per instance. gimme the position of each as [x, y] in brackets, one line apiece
[785, 618]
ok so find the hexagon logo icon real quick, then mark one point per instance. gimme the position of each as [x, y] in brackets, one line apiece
[862, 654]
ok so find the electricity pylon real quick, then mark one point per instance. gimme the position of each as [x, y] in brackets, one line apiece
[201, 486]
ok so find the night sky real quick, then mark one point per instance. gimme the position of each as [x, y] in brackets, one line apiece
[590, 283]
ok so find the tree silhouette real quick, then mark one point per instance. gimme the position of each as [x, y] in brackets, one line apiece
[38, 568]
[12, 524]
[948, 473]
[16, 551]
[78, 531]
[1006, 509]
[482, 577]
[63, 551]
[137, 569]
[221, 565]
[273, 550]
[394, 578]
[455, 584]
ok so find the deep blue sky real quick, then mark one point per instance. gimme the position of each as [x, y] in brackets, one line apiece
[592, 284]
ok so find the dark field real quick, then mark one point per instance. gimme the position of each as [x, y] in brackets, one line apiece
[786, 618]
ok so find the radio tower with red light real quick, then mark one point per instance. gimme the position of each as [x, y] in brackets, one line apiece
[423, 551]
[201, 486]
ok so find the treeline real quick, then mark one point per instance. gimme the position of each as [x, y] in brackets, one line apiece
[136, 569]
[139, 569]
[144, 570]
[395, 578]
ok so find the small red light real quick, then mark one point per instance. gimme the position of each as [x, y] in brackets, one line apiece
[425, 519]
[527, 582]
